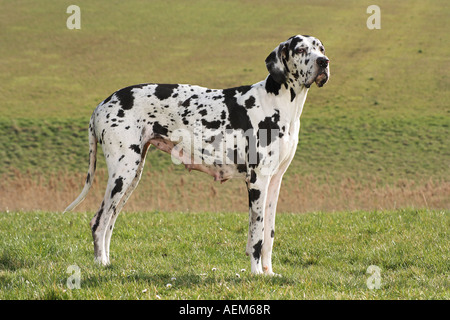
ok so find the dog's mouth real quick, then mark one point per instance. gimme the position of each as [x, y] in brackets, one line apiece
[321, 79]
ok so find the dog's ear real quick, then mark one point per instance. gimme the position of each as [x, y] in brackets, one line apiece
[276, 63]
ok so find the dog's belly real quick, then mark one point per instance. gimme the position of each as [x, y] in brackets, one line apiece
[214, 167]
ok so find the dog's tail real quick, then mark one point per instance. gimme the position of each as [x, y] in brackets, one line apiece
[92, 166]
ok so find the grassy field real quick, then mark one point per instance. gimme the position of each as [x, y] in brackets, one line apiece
[373, 155]
[386, 100]
[320, 256]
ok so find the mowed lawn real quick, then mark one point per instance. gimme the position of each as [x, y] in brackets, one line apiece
[157, 255]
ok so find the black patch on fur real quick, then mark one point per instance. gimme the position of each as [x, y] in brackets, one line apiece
[253, 195]
[271, 57]
[294, 41]
[125, 96]
[257, 250]
[277, 74]
[253, 176]
[292, 94]
[121, 113]
[272, 86]
[211, 124]
[243, 89]
[270, 128]
[186, 113]
[237, 114]
[99, 215]
[250, 102]
[160, 130]
[102, 137]
[164, 91]
[186, 102]
[136, 148]
[272, 233]
[107, 99]
[117, 187]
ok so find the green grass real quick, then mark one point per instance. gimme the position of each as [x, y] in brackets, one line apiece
[319, 255]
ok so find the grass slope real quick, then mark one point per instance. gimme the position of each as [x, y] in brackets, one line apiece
[384, 112]
[320, 256]
[390, 149]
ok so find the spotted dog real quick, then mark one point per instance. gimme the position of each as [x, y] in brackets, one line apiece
[248, 132]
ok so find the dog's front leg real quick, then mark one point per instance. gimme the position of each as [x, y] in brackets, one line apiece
[269, 221]
[257, 194]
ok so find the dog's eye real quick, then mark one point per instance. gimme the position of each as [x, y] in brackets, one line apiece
[322, 49]
[300, 51]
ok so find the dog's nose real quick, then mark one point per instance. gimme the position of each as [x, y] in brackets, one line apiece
[322, 62]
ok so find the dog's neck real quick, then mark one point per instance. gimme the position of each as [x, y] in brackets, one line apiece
[291, 95]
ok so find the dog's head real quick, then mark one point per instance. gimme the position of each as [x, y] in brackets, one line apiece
[300, 59]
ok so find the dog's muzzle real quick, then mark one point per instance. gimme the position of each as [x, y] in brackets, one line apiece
[323, 74]
[321, 78]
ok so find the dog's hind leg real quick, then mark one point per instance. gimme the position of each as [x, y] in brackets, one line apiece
[124, 172]
[126, 195]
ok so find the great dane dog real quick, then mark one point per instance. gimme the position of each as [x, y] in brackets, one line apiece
[249, 132]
